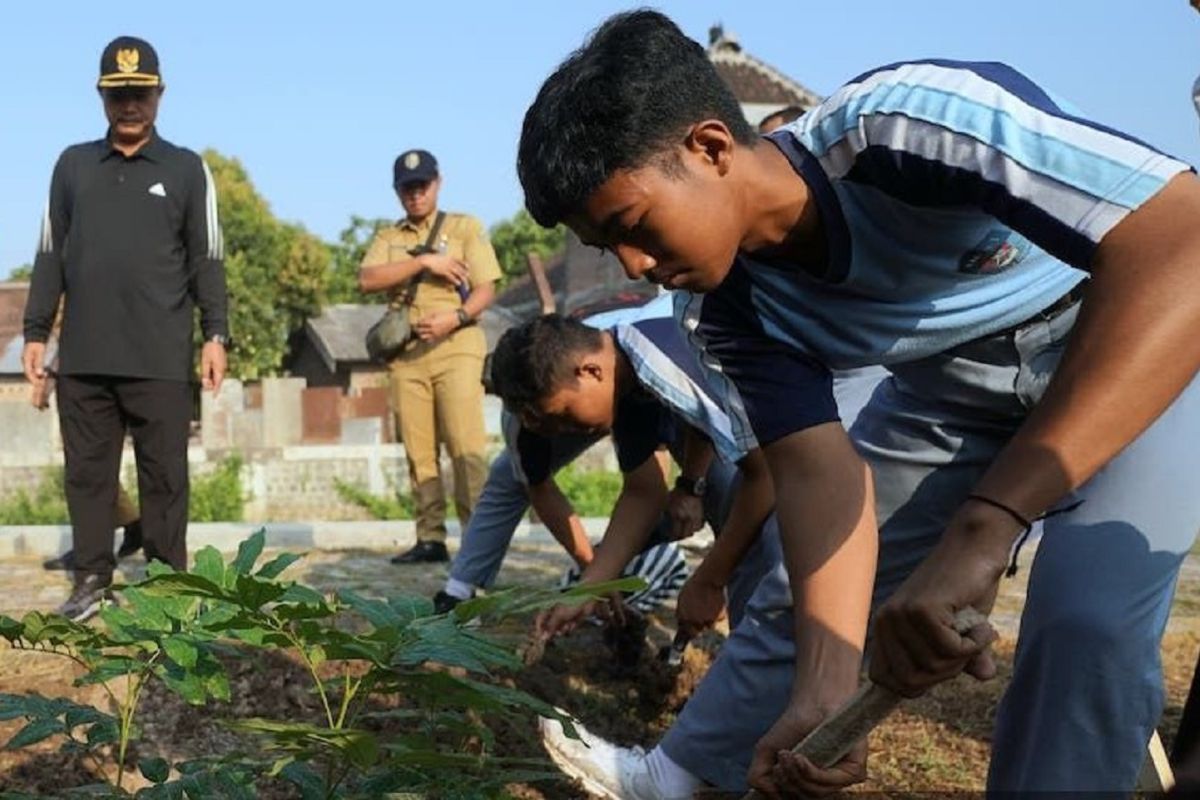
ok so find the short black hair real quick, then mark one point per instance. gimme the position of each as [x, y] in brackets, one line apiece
[626, 96]
[786, 114]
[535, 359]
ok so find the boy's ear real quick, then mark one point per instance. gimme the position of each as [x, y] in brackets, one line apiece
[589, 369]
[711, 141]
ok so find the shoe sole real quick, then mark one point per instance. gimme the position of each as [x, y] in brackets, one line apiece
[567, 766]
[92, 610]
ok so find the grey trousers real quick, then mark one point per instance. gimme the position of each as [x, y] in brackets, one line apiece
[1086, 689]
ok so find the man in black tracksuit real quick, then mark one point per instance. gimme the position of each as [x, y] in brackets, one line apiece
[130, 240]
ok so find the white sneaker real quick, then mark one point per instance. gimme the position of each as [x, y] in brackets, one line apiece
[605, 770]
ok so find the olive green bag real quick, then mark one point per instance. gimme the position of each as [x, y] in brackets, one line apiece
[388, 337]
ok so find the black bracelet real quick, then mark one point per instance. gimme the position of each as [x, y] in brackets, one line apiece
[1026, 524]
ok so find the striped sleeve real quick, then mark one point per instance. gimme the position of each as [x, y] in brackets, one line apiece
[46, 284]
[206, 253]
[673, 372]
[946, 133]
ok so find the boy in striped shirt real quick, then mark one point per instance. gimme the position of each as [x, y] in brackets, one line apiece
[945, 220]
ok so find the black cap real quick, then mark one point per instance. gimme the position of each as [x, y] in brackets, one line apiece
[129, 61]
[414, 165]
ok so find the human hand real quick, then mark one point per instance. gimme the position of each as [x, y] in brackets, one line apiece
[701, 603]
[915, 645]
[778, 772]
[561, 620]
[212, 366]
[435, 326]
[686, 512]
[33, 361]
[445, 267]
[39, 395]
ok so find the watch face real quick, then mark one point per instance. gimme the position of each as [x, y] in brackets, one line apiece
[700, 485]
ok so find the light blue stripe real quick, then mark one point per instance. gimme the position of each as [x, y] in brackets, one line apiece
[1088, 171]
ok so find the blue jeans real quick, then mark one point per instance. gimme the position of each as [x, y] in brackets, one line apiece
[505, 499]
[1086, 690]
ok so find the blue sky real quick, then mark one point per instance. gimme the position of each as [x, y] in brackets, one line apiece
[316, 99]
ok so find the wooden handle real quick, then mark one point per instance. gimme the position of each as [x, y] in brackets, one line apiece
[827, 743]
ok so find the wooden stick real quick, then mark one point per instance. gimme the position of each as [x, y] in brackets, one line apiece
[827, 743]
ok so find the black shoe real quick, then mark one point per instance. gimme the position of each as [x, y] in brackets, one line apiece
[87, 598]
[132, 541]
[423, 553]
[64, 562]
[444, 603]
[129, 546]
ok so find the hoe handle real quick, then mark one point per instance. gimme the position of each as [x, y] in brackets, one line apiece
[834, 737]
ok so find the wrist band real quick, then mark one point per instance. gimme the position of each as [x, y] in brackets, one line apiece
[1026, 524]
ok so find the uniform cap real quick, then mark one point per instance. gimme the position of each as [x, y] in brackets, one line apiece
[129, 61]
[414, 165]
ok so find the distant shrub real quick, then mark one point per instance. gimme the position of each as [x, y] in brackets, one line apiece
[217, 496]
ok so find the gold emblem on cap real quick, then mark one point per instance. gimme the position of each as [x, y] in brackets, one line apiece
[412, 160]
[128, 60]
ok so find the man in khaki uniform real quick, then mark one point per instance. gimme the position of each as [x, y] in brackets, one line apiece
[436, 388]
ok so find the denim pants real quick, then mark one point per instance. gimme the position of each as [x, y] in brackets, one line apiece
[505, 499]
[1086, 690]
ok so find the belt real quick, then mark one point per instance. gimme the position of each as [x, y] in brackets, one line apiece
[1049, 312]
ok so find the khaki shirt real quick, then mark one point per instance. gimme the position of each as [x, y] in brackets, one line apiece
[462, 236]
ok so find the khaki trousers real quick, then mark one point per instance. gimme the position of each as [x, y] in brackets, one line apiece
[437, 397]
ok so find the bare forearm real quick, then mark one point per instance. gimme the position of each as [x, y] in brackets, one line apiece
[697, 454]
[559, 517]
[634, 516]
[384, 276]
[1130, 355]
[752, 504]
[479, 299]
[825, 504]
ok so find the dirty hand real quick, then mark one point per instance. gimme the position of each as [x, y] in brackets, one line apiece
[778, 772]
[701, 603]
[437, 325]
[686, 512]
[561, 620]
[212, 366]
[915, 645]
[443, 266]
[33, 361]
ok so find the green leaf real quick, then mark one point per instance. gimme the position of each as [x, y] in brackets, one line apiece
[208, 565]
[316, 654]
[273, 568]
[249, 551]
[183, 583]
[155, 770]
[305, 778]
[253, 593]
[377, 612]
[34, 732]
[297, 593]
[181, 651]
[217, 685]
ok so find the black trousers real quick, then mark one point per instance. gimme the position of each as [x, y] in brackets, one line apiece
[94, 412]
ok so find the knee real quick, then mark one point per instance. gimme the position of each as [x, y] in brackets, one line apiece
[1076, 630]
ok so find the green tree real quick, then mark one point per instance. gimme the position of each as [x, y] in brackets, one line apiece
[21, 273]
[278, 273]
[347, 255]
[513, 238]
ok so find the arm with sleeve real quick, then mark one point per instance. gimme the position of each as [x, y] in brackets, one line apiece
[47, 284]
[206, 253]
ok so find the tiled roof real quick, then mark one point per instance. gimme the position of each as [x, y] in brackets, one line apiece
[752, 80]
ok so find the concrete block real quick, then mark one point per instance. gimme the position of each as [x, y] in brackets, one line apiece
[283, 415]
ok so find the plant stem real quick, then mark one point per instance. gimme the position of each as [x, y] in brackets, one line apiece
[312, 670]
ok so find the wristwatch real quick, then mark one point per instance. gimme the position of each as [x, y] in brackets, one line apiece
[219, 338]
[464, 319]
[693, 486]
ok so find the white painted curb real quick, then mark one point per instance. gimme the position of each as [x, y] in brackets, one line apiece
[21, 541]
